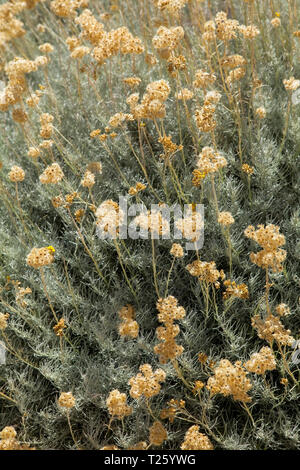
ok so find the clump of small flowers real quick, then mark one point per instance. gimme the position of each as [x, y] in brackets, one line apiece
[33, 152]
[109, 217]
[235, 290]
[66, 400]
[203, 79]
[206, 271]
[39, 257]
[282, 310]
[261, 112]
[8, 440]
[158, 434]
[132, 81]
[59, 327]
[46, 125]
[271, 329]
[46, 144]
[152, 105]
[195, 440]
[88, 180]
[20, 293]
[16, 174]
[152, 221]
[52, 174]
[232, 61]
[198, 385]
[225, 28]
[46, 48]
[204, 118]
[176, 250]
[261, 362]
[146, 383]
[184, 94]
[225, 218]
[210, 161]
[65, 8]
[174, 407]
[191, 225]
[247, 169]
[117, 406]
[117, 119]
[3, 320]
[291, 84]
[275, 22]
[133, 190]
[270, 240]
[169, 311]
[170, 148]
[235, 75]
[230, 379]
[249, 32]
[167, 39]
[129, 326]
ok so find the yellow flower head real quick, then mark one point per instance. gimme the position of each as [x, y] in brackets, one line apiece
[51, 248]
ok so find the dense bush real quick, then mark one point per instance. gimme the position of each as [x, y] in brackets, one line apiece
[64, 333]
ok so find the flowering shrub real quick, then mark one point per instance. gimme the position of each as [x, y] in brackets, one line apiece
[136, 343]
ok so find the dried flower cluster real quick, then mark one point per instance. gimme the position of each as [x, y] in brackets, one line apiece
[154, 222]
[146, 383]
[109, 217]
[152, 105]
[133, 190]
[225, 218]
[16, 174]
[66, 400]
[191, 225]
[129, 326]
[168, 312]
[53, 174]
[3, 320]
[270, 240]
[262, 361]
[16, 87]
[39, 257]
[206, 271]
[176, 250]
[230, 379]
[271, 329]
[9, 441]
[157, 434]
[210, 161]
[235, 290]
[195, 440]
[59, 327]
[117, 406]
[174, 407]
